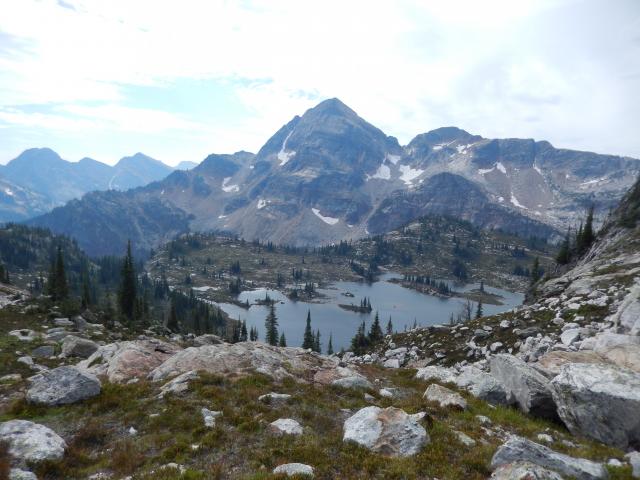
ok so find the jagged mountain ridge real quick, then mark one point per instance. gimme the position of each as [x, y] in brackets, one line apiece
[41, 180]
[329, 175]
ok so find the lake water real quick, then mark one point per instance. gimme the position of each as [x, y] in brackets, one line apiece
[403, 305]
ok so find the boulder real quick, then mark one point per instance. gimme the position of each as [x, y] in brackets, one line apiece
[444, 397]
[24, 335]
[529, 388]
[483, 386]
[62, 385]
[599, 401]
[285, 426]
[434, 372]
[390, 431]
[73, 346]
[209, 417]
[391, 363]
[355, 382]
[524, 471]
[634, 459]
[207, 339]
[31, 442]
[628, 314]
[552, 362]
[19, 474]
[243, 358]
[291, 469]
[179, 384]
[125, 361]
[518, 449]
[621, 350]
[63, 322]
[43, 351]
[274, 398]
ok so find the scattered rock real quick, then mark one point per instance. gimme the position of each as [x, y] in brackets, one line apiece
[465, 439]
[285, 426]
[391, 363]
[634, 459]
[518, 449]
[207, 339]
[63, 322]
[291, 469]
[209, 417]
[523, 471]
[390, 431]
[599, 401]
[179, 384]
[433, 372]
[544, 437]
[444, 397]
[31, 442]
[73, 346]
[274, 398]
[483, 386]
[62, 385]
[43, 351]
[18, 474]
[529, 387]
[356, 382]
[25, 335]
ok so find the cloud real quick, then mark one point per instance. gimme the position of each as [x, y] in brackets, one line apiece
[545, 69]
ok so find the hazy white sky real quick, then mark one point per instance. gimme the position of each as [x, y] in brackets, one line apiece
[180, 80]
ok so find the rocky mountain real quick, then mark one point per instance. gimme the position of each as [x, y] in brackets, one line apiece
[186, 165]
[329, 175]
[40, 180]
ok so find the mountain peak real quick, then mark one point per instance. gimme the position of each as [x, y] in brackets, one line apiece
[331, 106]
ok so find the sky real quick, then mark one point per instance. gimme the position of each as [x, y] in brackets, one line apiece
[181, 80]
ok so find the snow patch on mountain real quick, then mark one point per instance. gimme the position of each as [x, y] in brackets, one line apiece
[383, 173]
[283, 155]
[515, 202]
[408, 174]
[537, 169]
[327, 220]
[8, 191]
[229, 188]
[393, 158]
[261, 204]
[500, 167]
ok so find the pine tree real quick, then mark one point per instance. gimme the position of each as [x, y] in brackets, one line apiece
[479, 312]
[271, 327]
[588, 235]
[535, 271]
[564, 254]
[86, 293]
[330, 344]
[317, 347]
[389, 327]
[127, 292]
[307, 340]
[172, 323]
[283, 341]
[243, 332]
[58, 287]
[375, 333]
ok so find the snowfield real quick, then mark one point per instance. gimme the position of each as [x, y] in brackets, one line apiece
[283, 155]
[327, 220]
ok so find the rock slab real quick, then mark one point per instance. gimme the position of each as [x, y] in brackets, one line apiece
[61, 386]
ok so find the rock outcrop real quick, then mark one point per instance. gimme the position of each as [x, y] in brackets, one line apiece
[31, 442]
[62, 385]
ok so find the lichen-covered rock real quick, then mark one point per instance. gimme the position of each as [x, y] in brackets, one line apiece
[31, 442]
[529, 388]
[62, 385]
[434, 372]
[125, 361]
[73, 346]
[600, 402]
[285, 426]
[179, 384]
[483, 386]
[518, 449]
[552, 362]
[291, 469]
[390, 431]
[444, 397]
[524, 471]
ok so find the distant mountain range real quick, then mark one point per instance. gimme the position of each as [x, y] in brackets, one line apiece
[329, 175]
[39, 180]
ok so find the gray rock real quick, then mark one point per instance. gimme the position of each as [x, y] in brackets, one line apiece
[529, 388]
[391, 363]
[73, 346]
[355, 382]
[209, 417]
[43, 351]
[274, 398]
[527, 332]
[24, 335]
[444, 397]
[480, 334]
[19, 474]
[207, 339]
[570, 336]
[291, 469]
[285, 426]
[63, 322]
[31, 442]
[388, 431]
[179, 384]
[599, 401]
[523, 471]
[634, 459]
[61, 386]
[483, 386]
[518, 449]
[434, 372]
[464, 439]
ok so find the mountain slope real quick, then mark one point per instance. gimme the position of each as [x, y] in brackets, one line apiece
[44, 180]
[329, 175]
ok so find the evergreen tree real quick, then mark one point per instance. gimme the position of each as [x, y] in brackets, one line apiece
[172, 323]
[243, 332]
[127, 292]
[317, 347]
[536, 273]
[564, 254]
[307, 340]
[86, 293]
[389, 327]
[479, 312]
[588, 235]
[57, 285]
[271, 327]
[283, 341]
[330, 345]
[375, 333]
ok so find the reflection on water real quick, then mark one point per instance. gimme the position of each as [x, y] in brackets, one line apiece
[403, 305]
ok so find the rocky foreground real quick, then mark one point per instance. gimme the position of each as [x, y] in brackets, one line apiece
[549, 390]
